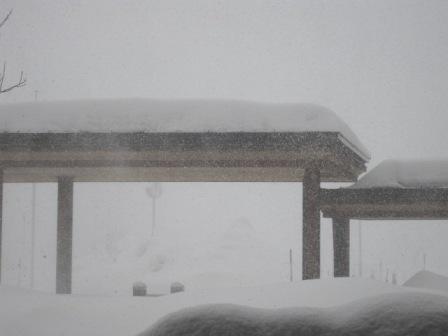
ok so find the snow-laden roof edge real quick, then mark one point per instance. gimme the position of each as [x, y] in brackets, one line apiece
[406, 174]
[157, 116]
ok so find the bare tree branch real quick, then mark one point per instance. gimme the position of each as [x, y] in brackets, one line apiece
[22, 80]
[6, 18]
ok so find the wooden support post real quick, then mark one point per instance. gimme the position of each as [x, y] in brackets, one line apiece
[341, 246]
[311, 224]
[64, 236]
[1, 219]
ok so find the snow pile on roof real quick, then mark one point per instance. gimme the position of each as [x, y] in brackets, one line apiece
[149, 115]
[24, 312]
[406, 174]
[428, 280]
[394, 314]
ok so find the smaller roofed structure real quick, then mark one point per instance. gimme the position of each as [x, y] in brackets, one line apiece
[395, 189]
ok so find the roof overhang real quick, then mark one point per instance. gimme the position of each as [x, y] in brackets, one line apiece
[205, 157]
[385, 203]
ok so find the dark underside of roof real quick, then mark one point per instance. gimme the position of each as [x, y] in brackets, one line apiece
[176, 156]
[385, 203]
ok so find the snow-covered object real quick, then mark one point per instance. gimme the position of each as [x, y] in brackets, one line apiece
[150, 115]
[406, 174]
[428, 280]
[139, 289]
[24, 312]
[405, 314]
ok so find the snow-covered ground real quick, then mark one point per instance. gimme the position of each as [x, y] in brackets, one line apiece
[31, 313]
[405, 314]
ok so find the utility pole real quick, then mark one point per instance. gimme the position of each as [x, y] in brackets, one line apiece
[360, 247]
[33, 234]
[381, 270]
[33, 223]
[290, 266]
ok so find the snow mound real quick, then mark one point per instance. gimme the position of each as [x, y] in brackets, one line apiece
[24, 312]
[158, 116]
[428, 280]
[406, 174]
[404, 314]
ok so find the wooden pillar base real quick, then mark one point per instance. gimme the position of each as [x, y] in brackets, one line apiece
[341, 247]
[64, 236]
[311, 224]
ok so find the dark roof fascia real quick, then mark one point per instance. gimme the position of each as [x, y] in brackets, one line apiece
[382, 195]
[165, 141]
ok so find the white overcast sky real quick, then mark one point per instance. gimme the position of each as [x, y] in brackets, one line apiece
[381, 65]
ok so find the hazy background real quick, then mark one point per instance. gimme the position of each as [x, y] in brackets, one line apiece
[380, 65]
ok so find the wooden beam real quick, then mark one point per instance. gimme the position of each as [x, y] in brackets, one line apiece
[341, 247]
[188, 151]
[170, 141]
[343, 196]
[311, 224]
[385, 203]
[64, 236]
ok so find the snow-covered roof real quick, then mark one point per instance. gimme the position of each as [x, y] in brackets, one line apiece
[160, 116]
[406, 174]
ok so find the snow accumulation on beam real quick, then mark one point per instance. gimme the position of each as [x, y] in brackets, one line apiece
[168, 116]
[406, 174]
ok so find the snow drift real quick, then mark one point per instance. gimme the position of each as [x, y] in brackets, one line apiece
[428, 280]
[404, 314]
[24, 312]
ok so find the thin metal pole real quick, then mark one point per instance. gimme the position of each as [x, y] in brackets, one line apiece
[360, 247]
[153, 216]
[33, 234]
[290, 266]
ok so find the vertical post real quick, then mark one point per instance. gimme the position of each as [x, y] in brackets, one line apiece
[341, 246]
[33, 234]
[290, 266]
[1, 219]
[153, 216]
[360, 247]
[64, 236]
[311, 224]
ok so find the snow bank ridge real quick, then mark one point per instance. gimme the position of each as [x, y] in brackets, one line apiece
[406, 314]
